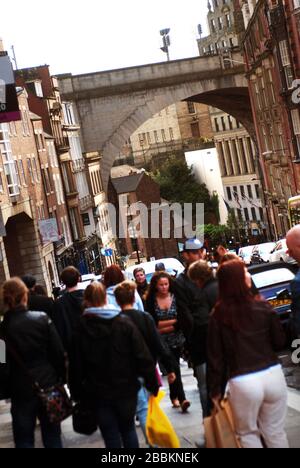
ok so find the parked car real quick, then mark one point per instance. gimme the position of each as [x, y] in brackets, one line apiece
[262, 252]
[279, 253]
[173, 266]
[273, 280]
[246, 253]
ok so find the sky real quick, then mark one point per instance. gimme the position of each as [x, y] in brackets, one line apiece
[95, 35]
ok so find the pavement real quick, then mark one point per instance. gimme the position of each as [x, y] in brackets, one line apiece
[188, 426]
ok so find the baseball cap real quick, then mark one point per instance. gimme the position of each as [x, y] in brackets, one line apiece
[193, 244]
[160, 267]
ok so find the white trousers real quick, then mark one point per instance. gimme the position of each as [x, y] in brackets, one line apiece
[259, 404]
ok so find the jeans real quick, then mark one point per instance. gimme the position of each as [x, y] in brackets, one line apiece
[142, 409]
[24, 415]
[259, 405]
[176, 388]
[200, 375]
[116, 423]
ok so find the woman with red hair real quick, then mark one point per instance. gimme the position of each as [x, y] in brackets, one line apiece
[244, 336]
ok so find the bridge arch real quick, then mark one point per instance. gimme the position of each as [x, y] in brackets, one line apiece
[112, 105]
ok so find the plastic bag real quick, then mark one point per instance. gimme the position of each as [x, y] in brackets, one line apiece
[159, 429]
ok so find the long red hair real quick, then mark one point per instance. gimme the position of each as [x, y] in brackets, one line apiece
[235, 297]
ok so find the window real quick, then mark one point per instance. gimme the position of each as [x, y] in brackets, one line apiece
[35, 170]
[171, 134]
[261, 214]
[246, 213]
[228, 21]
[25, 122]
[156, 136]
[242, 189]
[253, 212]
[296, 4]
[86, 219]
[191, 107]
[229, 194]
[250, 194]
[213, 26]
[230, 122]
[223, 123]
[217, 127]
[220, 23]
[195, 130]
[163, 135]
[22, 172]
[8, 161]
[68, 111]
[286, 62]
[296, 124]
[74, 224]
[46, 181]
[149, 138]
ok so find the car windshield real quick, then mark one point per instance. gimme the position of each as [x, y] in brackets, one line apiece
[272, 277]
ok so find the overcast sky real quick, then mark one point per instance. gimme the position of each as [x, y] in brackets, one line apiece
[95, 35]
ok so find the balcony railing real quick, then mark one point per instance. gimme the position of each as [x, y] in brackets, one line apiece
[85, 202]
[60, 243]
[62, 144]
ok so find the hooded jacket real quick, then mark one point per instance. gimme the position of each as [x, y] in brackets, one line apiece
[109, 355]
[138, 305]
[67, 313]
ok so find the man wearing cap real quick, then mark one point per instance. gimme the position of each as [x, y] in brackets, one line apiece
[189, 300]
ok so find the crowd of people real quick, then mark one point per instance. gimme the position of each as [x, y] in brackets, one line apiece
[116, 332]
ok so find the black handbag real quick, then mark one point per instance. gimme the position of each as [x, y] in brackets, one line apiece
[84, 419]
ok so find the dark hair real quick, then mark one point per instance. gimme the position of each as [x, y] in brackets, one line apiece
[94, 295]
[29, 281]
[112, 276]
[13, 292]
[235, 297]
[125, 293]
[70, 277]
[40, 290]
[151, 296]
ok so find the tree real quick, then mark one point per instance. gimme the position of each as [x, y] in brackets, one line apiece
[214, 234]
[178, 185]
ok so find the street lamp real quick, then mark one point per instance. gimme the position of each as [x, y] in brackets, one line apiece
[166, 42]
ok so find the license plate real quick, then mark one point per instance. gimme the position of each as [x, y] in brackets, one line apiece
[280, 302]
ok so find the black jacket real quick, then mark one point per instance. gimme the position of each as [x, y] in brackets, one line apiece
[146, 325]
[107, 359]
[67, 314]
[194, 307]
[41, 304]
[34, 338]
[251, 349]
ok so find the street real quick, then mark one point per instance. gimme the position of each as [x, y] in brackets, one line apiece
[188, 426]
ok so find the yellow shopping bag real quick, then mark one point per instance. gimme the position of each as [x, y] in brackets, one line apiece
[159, 429]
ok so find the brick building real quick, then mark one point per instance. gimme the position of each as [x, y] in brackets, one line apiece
[23, 200]
[136, 189]
[269, 51]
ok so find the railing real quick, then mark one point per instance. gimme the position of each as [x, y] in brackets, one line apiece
[85, 202]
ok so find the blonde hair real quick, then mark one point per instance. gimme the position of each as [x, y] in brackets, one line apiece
[13, 292]
[95, 295]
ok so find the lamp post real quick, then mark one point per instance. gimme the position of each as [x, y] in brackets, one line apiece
[166, 42]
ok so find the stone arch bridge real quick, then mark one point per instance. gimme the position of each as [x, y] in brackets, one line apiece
[112, 105]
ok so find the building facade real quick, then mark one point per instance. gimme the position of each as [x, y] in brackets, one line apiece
[24, 202]
[269, 52]
[236, 151]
